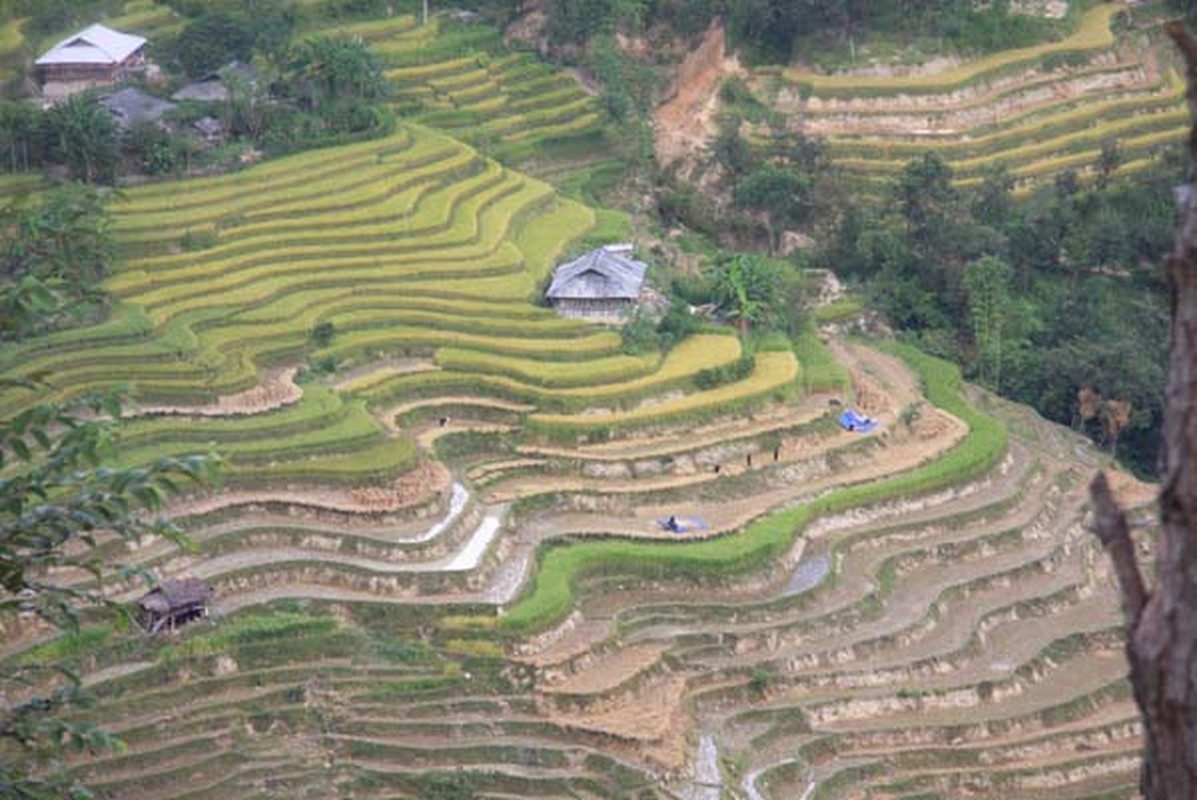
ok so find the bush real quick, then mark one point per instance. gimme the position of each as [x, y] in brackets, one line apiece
[447, 786]
[322, 334]
[760, 680]
[640, 334]
[677, 324]
[198, 240]
[729, 373]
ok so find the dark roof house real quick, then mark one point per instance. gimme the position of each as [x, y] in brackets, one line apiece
[173, 603]
[131, 106]
[604, 284]
[96, 56]
[213, 87]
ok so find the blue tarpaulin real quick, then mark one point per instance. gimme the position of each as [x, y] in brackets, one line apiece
[682, 524]
[850, 420]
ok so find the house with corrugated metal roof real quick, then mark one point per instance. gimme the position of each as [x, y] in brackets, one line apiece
[604, 284]
[96, 56]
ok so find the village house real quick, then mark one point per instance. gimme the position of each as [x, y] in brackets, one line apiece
[96, 56]
[174, 603]
[603, 285]
[130, 106]
[214, 87]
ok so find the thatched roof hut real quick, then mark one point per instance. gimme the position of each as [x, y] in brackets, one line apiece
[173, 603]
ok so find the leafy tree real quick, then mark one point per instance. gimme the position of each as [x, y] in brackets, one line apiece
[771, 27]
[1109, 159]
[577, 21]
[82, 135]
[249, 111]
[53, 253]
[339, 80]
[25, 304]
[731, 151]
[22, 136]
[749, 290]
[1068, 184]
[55, 507]
[52, 16]
[153, 149]
[782, 193]
[987, 282]
[66, 235]
[994, 203]
[627, 85]
[337, 69]
[212, 40]
[928, 202]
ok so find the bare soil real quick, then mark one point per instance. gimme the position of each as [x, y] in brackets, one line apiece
[685, 122]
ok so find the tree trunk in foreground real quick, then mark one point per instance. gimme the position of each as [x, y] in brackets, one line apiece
[1162, 623]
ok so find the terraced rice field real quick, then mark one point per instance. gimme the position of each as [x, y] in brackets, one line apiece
[459, 76]
[437, 557]
[1039, 110]
[410, 247]
[923, 615]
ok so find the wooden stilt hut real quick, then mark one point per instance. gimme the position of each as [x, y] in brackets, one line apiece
[174, 603]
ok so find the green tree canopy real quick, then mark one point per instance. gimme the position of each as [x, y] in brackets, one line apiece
[782, 192]
[83, 136]
[749, 290]
[987, 283]
[53, 253]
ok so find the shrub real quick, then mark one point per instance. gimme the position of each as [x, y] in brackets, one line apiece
[676, 324]
[760, 680]
[728, 373]
[447, 786]
[322, 334]
[639, 335]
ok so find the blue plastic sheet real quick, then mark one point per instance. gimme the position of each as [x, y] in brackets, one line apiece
[682, 524]
[851, 420]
